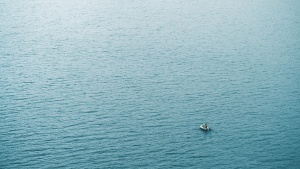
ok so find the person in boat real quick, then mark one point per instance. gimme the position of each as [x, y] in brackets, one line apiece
[204, 126]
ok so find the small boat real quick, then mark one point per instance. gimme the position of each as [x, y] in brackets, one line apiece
[204, 127]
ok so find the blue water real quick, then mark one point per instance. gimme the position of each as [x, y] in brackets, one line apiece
[126, 84]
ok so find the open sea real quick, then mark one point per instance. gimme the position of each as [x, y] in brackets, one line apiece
[126, 84]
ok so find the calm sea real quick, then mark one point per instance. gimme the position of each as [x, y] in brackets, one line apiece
[126, 84]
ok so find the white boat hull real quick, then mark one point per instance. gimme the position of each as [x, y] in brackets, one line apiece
[203, 128]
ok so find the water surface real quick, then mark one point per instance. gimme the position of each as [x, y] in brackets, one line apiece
[126, 84]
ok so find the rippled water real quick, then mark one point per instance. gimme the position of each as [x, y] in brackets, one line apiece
[126, 83]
